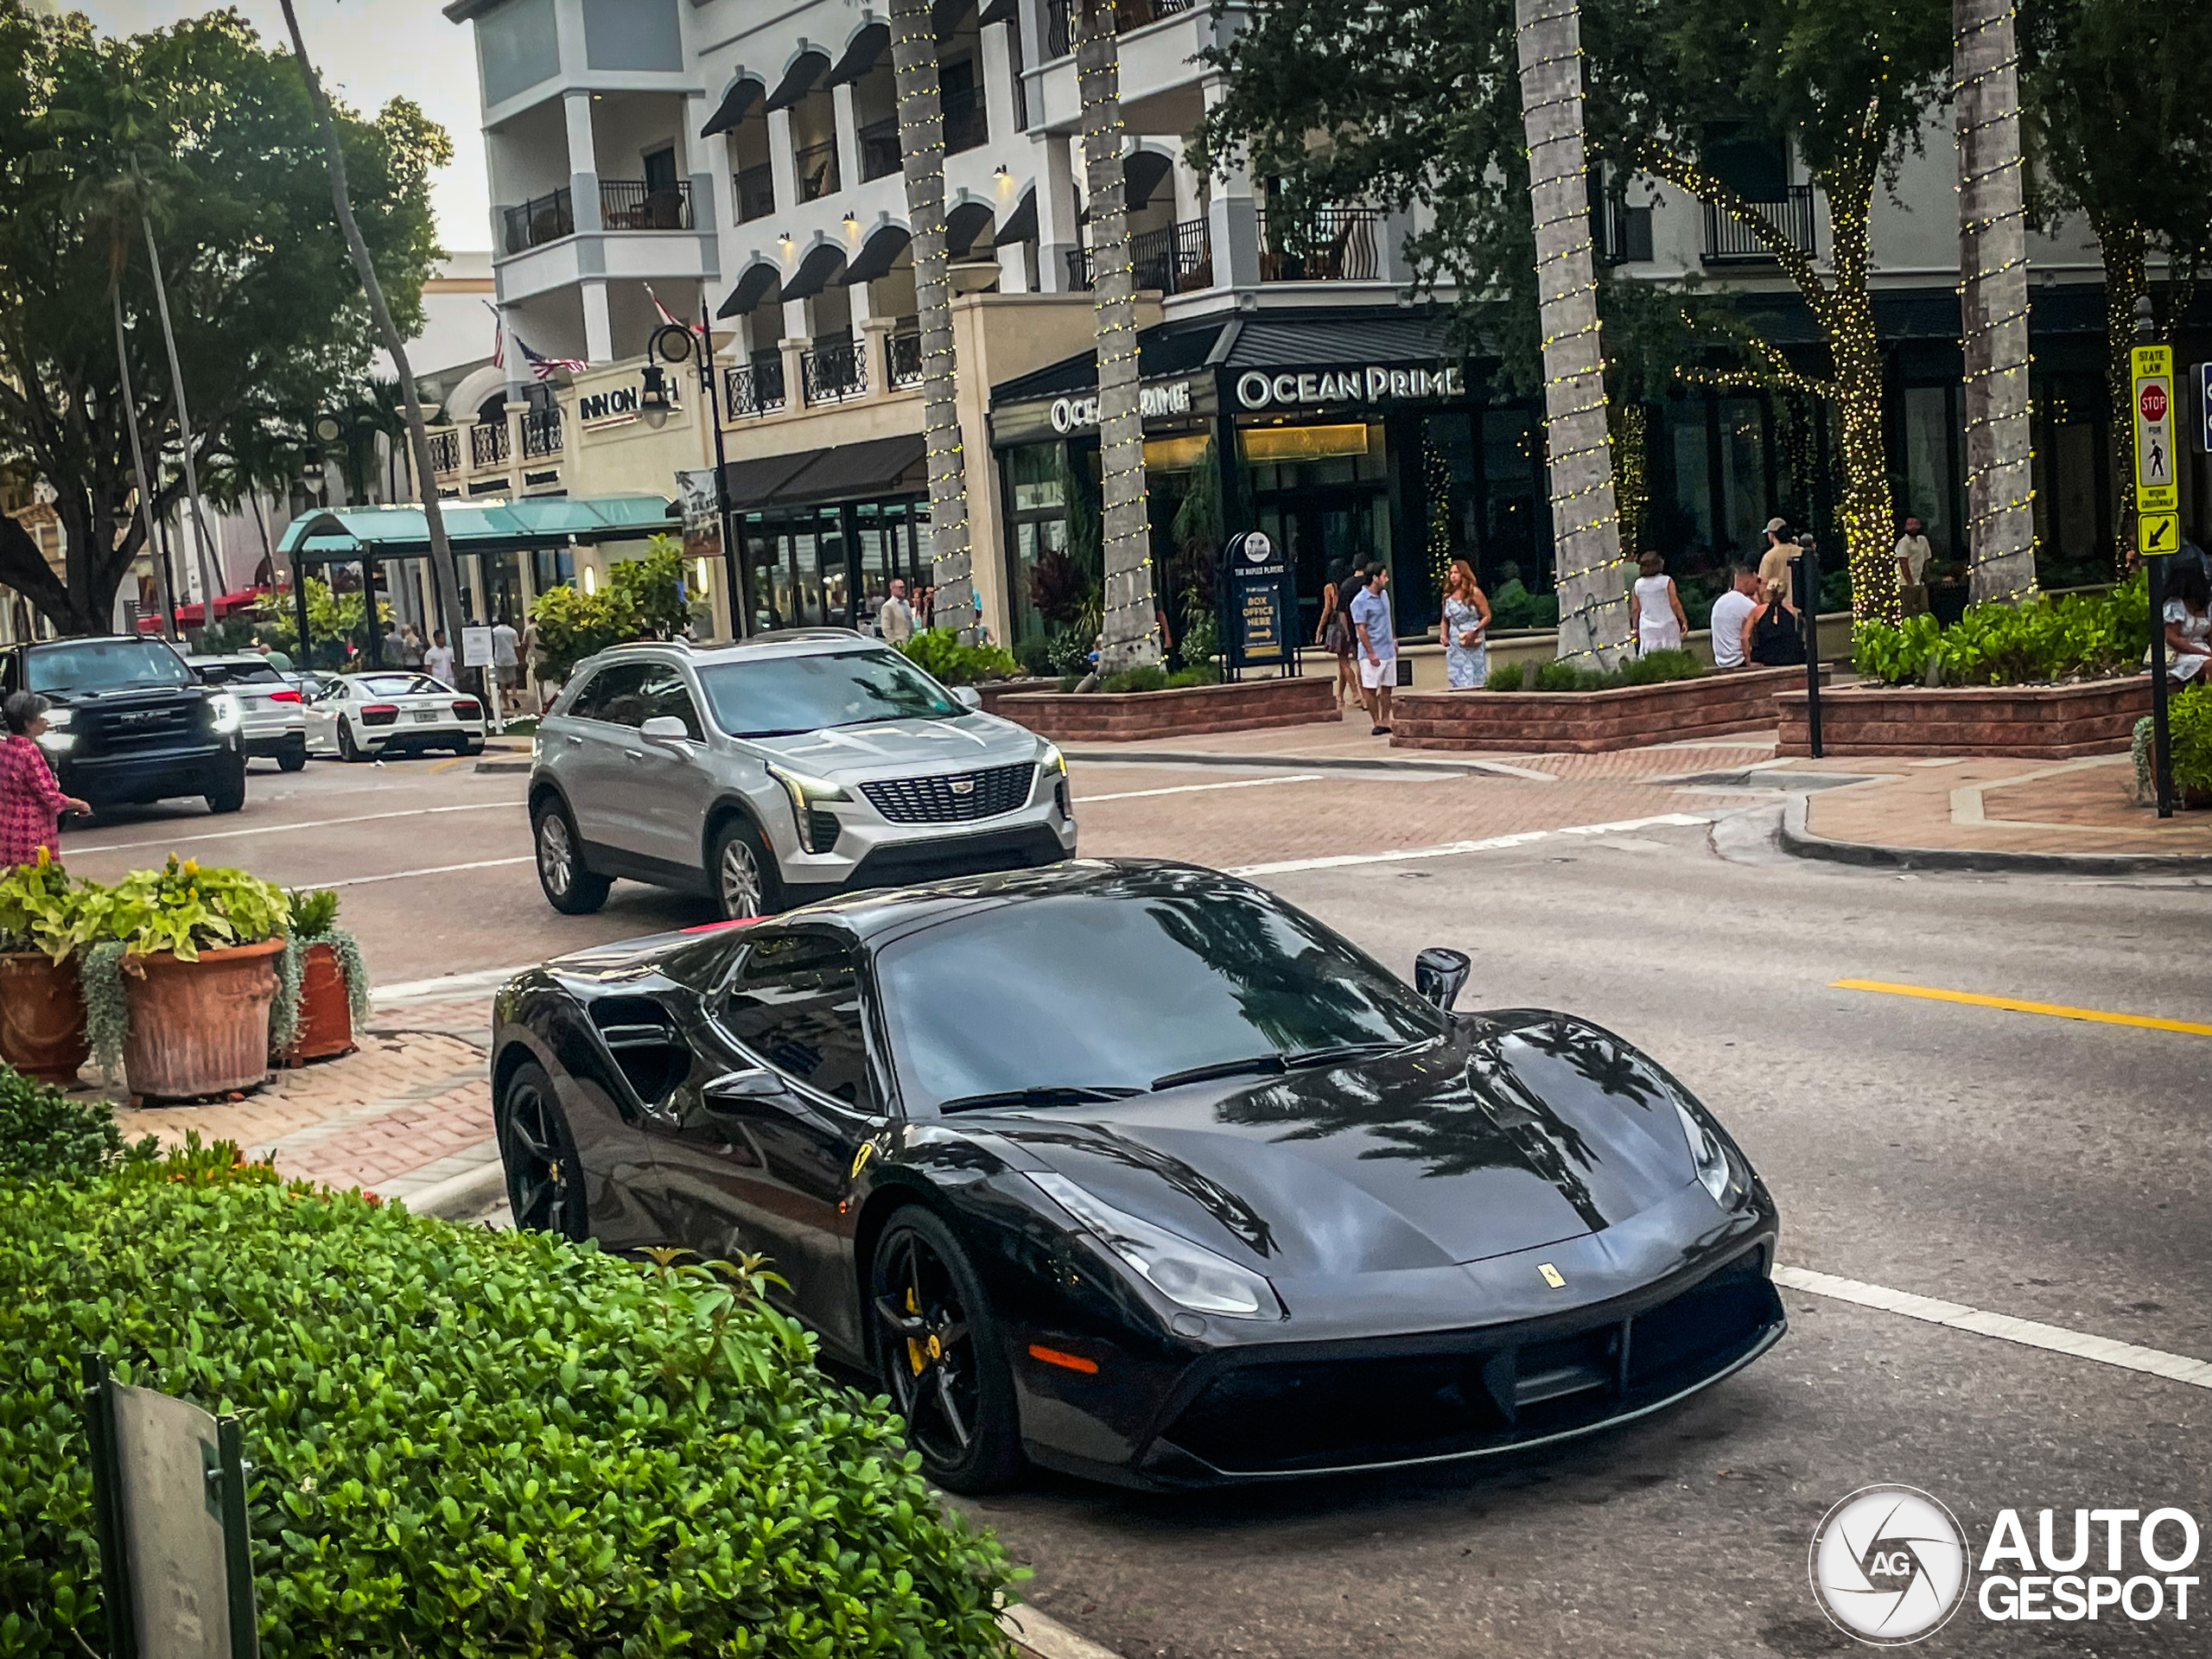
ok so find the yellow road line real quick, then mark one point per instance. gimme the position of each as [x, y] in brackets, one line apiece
[2058, 1010]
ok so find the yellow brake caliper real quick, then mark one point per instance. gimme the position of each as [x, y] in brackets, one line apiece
[914, 1357]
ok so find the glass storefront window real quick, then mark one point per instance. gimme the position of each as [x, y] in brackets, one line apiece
[1683, 525]
[1034, 474]
[1313, 455]
[1930, 486]
[1516, 522]
[830, 547]
[806, 574]
[1743, 481]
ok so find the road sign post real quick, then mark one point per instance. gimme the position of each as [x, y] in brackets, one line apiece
[2158, 530]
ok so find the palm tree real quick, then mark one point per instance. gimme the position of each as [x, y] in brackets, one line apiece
[921, 147]
[1585, 524]
[1130, 622]
[1993, 267]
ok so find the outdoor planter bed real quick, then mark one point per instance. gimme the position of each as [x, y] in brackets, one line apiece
[995, 692]
[1591, 722]
[2037, 722]
[1184, 711]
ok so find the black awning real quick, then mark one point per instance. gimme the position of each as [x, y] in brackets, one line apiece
[756, 285]
[850, 471]
[870, 44]
[1021, 224]
[732, 109]
[799, 79]
[964, 223]
[997, 11]
[1141, 173]
[878, 254]
[945, 15]
[813, 271]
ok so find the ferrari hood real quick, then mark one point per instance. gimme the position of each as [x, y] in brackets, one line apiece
[1522, 1130]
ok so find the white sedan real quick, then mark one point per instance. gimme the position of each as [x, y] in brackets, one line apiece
[355, 716]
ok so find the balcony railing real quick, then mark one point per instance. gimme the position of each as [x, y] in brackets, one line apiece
[967, 124]
[879, 152]
[1325, 245]
[756, 192]
[816, 167]
[639, 205]
[487, 443]
[1060, 20]
[1730, 241]
[834, 371]
[755, 388]
[1622, 234]
[1174, 259]
[539, 220]
[903, 359]
[445, 451]
[541, 433]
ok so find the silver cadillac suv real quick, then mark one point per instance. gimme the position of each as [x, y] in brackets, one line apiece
[782, 769]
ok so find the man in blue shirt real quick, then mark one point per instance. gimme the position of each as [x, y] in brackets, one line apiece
[1378, 647]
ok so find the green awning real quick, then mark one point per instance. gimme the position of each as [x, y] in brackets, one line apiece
[345, 535]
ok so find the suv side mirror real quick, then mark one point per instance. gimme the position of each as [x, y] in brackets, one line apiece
[968, 697]
[1440, 973]
[664, 729]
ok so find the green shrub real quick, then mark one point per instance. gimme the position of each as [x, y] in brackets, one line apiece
[1196, 674]
[2189, 729]
[939, 652]
[41, 909]
[1069, 681]
[1557, 676]
[44, 1135]
[1146, 677]
[465, 1443]
[2073, 635]
[1514, 606]
[1506, 676]
[1657, 667]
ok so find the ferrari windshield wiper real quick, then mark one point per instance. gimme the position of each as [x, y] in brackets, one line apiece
[1297, 1059]
[1306, 1056]
[1050, 1093]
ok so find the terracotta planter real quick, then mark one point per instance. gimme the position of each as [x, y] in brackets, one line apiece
[201, 1027]
[1591, 722]
[42, 1018]
[325, 1014]
[2031, 722]
[1187, 711]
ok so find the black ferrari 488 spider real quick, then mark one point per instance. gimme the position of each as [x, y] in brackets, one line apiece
[1133, 1170]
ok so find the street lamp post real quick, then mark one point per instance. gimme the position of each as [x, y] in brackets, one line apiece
[672, 343]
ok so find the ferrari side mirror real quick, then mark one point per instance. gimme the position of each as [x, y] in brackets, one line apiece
[751, 1082]
[1438, 973]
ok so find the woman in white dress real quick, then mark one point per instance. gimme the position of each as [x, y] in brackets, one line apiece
[1655, 609]
[2188, 618]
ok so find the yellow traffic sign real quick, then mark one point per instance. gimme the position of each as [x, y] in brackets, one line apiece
[2157, 533]
[2156, 492]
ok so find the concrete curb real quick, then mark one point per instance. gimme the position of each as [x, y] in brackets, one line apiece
[1047, 1638]
[1294, 762]
[523, 764]
[458, 1196]
[1796, 839]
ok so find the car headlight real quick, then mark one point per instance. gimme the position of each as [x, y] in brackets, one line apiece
[58, 718]
[817, 830]
[57, 742]
[1185, 1273]
[1706, 1154]
[1052, 760]
[223, 711]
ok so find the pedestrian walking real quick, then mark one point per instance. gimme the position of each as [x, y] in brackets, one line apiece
[1334, 631]
[1465, 630]
[895, 621]
[411, 647]
[395, 646]
[1774, 564]
[31, 803]
[533, 688]
[437, 661]
[925, 607]
[1731, 612]
[1378, 647]
[1655, 612]
[1913, 553]
[1771, 636]
[507, 661]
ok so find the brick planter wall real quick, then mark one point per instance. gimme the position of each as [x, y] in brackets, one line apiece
[2037, 722]
[1589, 722]
[995, 692]
[1121, 717]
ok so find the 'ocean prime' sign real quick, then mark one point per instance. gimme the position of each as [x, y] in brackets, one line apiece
[1154, 402]
[1370, 384]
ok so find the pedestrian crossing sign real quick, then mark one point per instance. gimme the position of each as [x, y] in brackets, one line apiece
[2157, 533]
[2156, 492]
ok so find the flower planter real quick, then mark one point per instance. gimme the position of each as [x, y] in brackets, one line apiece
[995, 692]
[1186, 711]
[1590, 722]
[42, 1018]
[326, 1028]
[2035, 723]
[200, 1028]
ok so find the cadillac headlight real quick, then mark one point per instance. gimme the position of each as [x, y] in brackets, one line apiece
[1189, 1274]
[817, 829]
[1053, 761]
[223, 712]
[1706, 1154]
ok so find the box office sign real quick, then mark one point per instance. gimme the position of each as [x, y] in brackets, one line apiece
[1259, 599]
[1369, 383]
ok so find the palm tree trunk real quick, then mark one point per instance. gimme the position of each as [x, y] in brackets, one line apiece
[1994, 326]
[1585, 524]
[921, 147]
[418, 436]
[1130, 623]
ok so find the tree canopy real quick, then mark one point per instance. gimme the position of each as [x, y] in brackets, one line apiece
[211, 135]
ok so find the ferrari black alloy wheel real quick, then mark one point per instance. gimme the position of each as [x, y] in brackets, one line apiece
[544, 1182]
[943, 1361]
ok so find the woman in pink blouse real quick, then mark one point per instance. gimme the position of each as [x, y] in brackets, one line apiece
[30, 801]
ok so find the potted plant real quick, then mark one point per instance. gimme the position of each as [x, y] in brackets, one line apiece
[178, 991]
[323, 986]
[41, 1004]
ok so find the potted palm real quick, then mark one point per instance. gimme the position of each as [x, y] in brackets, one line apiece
[179, 989]
[42, 1005]
[323, 986]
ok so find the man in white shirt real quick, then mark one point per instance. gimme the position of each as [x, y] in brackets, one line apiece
[437, 661]
[1913, 554]
[506, 664]
[895, 621]
[1730, 612]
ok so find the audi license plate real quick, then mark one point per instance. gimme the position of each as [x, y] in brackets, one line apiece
[425, 716]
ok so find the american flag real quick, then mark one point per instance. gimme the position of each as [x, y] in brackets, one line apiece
[669, 317]
[542, 367]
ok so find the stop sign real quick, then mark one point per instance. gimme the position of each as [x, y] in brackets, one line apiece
[2154, 403]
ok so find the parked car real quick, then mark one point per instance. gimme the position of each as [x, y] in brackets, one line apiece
[1133, 1170]
[271, 718]
[784, 768]
[400, 711]
[130, 722]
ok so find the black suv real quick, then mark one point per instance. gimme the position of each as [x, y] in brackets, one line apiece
[131, 721]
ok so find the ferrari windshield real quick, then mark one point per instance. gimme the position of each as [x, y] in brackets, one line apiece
[1055, 1001]
[772, 697]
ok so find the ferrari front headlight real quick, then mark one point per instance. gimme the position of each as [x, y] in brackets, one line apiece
[1706, 1154]
[1187, 1274]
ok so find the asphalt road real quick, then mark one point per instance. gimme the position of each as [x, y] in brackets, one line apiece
[2051, 1169]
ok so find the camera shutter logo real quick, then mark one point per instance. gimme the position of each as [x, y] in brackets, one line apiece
[1889, 1565]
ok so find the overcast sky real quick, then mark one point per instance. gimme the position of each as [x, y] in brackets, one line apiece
[371, 50]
